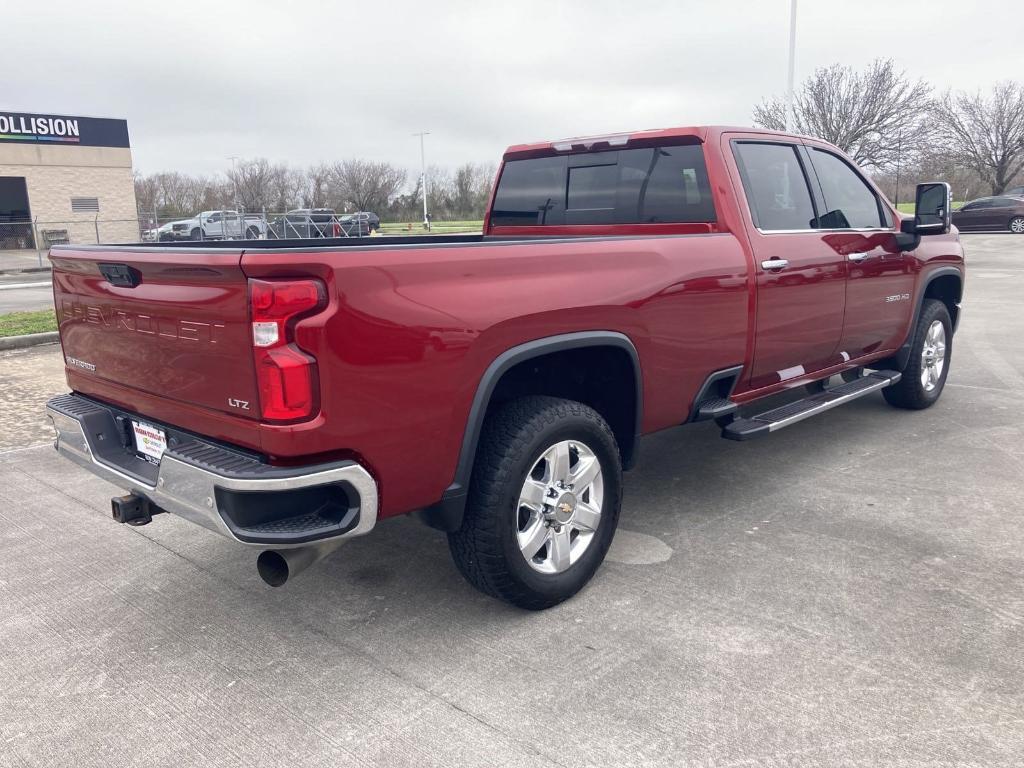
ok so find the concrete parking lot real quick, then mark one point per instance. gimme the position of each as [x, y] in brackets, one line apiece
[849, 591]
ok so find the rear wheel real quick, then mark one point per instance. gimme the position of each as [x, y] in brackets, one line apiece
[925, 374]
[1017, 225]
[543, 502]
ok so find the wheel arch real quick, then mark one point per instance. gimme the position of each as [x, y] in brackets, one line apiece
[447, 513]
[945, 284]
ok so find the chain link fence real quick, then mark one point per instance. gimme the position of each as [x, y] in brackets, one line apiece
[231, 225]
[301, 224]
[39, 234]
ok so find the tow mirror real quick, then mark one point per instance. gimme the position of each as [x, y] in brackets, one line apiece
[933, 209]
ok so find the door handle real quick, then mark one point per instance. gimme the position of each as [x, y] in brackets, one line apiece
[773, 264]
[858, 257]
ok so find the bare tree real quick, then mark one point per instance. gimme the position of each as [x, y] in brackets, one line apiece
[365, 185]
[180, 194]
[985, 133]
[468, 190]
[440, 192]
[287, 187]
[874, 116]
[929, 166]
[258, 184]
[147, 192]
[253, 184]
[316, 186]
[211, 193]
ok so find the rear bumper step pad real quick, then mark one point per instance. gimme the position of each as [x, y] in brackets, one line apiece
[791, 413]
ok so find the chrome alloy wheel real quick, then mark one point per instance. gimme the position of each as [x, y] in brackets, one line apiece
[560, 507]
[1017, 226]
[933, 355]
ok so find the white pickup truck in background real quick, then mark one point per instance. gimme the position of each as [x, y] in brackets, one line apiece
[213, 225]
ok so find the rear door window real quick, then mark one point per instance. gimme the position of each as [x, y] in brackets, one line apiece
[775, 186]
[631, 186]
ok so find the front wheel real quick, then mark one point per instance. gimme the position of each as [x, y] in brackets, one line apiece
[925, 374]
[543, 502]
[1017, 225]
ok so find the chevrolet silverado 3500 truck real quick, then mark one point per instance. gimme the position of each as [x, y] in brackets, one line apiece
[289, 395]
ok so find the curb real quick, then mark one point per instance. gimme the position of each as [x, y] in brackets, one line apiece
[29, 340]
[27, 270]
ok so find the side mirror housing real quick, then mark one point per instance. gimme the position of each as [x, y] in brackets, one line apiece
[933, 209]
[933, 215]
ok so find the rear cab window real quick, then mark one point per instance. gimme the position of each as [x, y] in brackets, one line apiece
[646, 185]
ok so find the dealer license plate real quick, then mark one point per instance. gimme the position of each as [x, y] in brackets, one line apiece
[150, 442]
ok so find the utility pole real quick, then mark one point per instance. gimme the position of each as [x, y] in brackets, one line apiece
[792, 66]
[423, 166]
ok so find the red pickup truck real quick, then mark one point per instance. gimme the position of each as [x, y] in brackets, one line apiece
[289, 395]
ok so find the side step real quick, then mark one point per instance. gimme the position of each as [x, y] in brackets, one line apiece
[791, 413]
[715, 408]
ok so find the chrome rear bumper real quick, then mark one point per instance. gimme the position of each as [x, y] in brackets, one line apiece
[229, 492]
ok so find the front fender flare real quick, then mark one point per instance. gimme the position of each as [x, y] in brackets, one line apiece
[902, 357]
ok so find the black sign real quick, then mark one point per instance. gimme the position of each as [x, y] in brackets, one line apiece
[28, 128]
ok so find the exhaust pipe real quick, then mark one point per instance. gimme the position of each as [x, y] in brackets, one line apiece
[276, 566]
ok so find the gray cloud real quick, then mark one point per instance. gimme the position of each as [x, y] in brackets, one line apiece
[313, 81]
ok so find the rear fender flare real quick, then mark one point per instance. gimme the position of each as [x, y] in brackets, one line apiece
[447, 513]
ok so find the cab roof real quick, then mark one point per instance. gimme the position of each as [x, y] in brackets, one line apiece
[695, 133]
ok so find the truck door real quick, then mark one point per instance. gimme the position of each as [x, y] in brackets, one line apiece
[859, 226]
[801, 278]
[212, 226]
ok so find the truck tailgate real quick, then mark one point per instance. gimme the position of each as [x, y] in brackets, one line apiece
[172, 323]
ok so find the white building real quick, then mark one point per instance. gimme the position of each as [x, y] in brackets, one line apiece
[65, 177]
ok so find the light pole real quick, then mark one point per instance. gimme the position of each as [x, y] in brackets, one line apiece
[899, 156]
[234, 177]
[792, 66]
[423, 166]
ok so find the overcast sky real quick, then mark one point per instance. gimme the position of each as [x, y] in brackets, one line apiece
[303, 82]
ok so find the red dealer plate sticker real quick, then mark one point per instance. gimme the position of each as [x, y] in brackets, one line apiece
[150, 442]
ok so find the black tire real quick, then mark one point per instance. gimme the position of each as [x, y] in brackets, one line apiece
[194, 234]
[1016, 225]
[910, 392]
[485, 548]
[252, 233]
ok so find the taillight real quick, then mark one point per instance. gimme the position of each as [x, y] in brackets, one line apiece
[285, 374]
